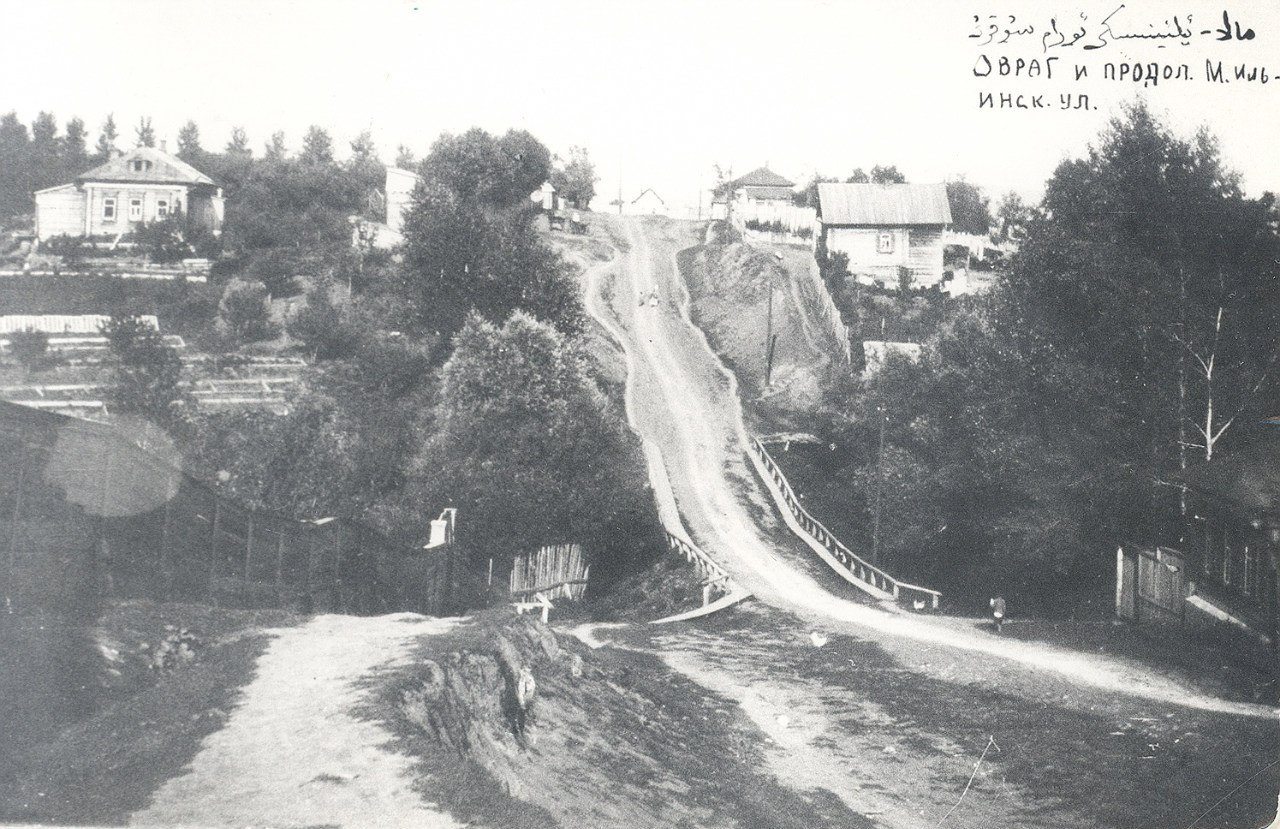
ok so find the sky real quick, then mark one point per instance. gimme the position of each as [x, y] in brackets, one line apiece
[658, 91]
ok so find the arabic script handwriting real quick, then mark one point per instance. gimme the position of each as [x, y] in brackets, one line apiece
[1096, 34]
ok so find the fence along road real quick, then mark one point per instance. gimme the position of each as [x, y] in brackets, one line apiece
[88, 514]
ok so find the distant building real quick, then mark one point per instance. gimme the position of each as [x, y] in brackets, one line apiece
[648, 203]
[142, 185]
[761, 187]
[399, 187]
[887, 230]
[758, 191]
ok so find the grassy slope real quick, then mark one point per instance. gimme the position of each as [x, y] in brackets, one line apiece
[145, 728]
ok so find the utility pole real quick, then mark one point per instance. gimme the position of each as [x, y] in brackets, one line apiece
[875, 515]
[769, 339]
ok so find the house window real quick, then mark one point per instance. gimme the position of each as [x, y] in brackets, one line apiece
[139, 165]
[135, 209]
[162, 208]
[108, 209]
[884, 242]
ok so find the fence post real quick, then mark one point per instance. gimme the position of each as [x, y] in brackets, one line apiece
[248, 560]
[279, 566]
[166, 562]
[213, 549]
[12, 581]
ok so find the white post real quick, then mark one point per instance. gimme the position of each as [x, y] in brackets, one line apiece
[1119, 578]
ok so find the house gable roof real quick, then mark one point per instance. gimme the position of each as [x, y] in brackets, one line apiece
[761, 177]
[884, 204]
[648, 191]
[768, 193]
[165, 169]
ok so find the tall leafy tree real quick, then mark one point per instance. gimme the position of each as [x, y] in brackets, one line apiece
[144, 133]
[275, 149]
[484, 170]
[575, 179]
[189, 149]
[526, 443]
[145, 373]
[46, 152]
[75, 152]
[317, 147]
[238, 143]
[108, 135]
[405, 158]
[15, 166]
[460, 258]
[969, 208]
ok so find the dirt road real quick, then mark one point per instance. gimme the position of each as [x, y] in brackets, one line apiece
[293, 752]
[950, 682]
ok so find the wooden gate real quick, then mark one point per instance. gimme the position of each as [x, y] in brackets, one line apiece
[1151, 584]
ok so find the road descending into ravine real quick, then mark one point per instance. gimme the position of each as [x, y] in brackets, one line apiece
[681, 397]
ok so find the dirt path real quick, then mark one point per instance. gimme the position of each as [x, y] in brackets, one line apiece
[293, 753]
[686, 402]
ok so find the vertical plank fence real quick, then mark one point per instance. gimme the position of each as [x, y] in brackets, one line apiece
[86, 514]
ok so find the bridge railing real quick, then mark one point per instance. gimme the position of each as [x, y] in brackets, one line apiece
[880, 582]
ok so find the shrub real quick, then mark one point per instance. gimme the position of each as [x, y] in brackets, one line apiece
[245, 313]
[29, 348]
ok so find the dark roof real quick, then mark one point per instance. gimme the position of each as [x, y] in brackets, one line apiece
[1249, 479]
[165, 169]
[760, 177]
[884, 204]
[769, 193]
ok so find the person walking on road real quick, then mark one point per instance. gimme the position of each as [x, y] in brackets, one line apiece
[997, 613]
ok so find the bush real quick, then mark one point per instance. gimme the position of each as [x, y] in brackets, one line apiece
[328, 331]
[29, 348]
[245, 313]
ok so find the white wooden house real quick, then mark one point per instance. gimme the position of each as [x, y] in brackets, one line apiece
[887, 230]
[142, 185]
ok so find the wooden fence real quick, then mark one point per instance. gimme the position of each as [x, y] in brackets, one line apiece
[678, 539]
[871, 579]
[555, 572]
[87, 514]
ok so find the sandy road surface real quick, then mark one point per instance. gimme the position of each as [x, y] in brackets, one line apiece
[682, 398]
[293, 753]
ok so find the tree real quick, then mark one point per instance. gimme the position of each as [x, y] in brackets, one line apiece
[969, 212]
[576, 179]
[526, 444]
[15, 170]
[29, 347]
[484, 170]
[1012, 216]
[46, 152]
[238, 143]
[858, 176]
[317, 147]
[276, 149]
[145, 372]
[405, 159]
[326, 329]
[146, 135]
[461, 258]
[245, 312]
[808, 196]
[107, 137]
[75, 153]
[887, 175]
[189, 149]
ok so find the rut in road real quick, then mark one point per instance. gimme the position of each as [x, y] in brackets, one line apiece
[682, 398]
[293, 752]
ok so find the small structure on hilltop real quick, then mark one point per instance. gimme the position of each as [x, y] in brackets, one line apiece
[648, 203]
[143, 185]
[760, 188]
[892, 233]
